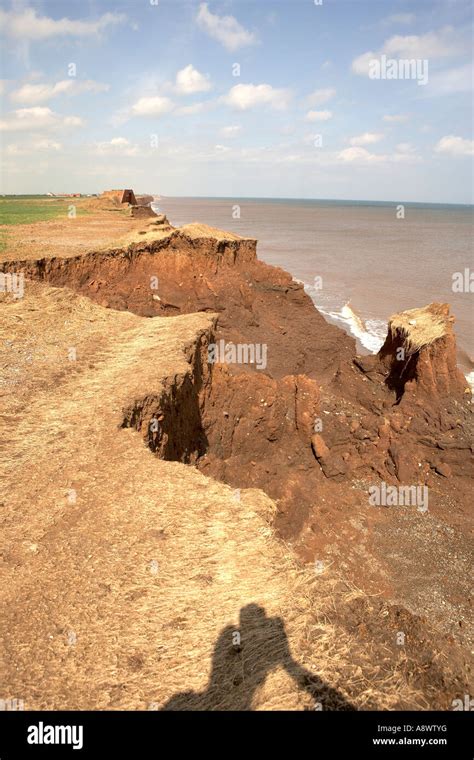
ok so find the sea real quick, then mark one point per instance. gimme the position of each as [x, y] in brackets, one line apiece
[359, 261]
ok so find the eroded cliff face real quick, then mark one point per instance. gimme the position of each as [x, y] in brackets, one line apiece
[315, 426]
[196, 269]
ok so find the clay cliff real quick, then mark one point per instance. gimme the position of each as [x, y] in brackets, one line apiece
[314, 426]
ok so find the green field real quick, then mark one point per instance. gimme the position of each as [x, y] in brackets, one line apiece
[24, 209]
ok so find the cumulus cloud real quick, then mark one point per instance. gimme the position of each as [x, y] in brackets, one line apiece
[155, 105]
[37, 118]
[117, 146]
[225, 29]
[455, 146]
[360, 65]
[367, 138]
[29, 94]
[245, 96]
[189, 80]
[319, 97]
[362, 157]
[318, 115]
[28, 25]
[440, 44]
[359, 155]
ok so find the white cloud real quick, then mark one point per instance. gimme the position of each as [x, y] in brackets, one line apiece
[28, 25]
[29, 94]
[224, 29]
[359, 155]
[231, 131]
[118, 146]
[155, 105]
[318, 115]
[360, 65]
[455, 146]
[318, 97]
[192, 109]
[189, 80]
[441, 44]
[245, 96]
[33, 146]
[367, 138]
[396, 118]
[449, 81]
[38, 117]
[430, 45]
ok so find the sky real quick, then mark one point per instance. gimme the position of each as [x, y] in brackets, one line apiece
[239, 98]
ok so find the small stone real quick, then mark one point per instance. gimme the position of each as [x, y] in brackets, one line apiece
[320, 450]
[334, 466]
[443, 469]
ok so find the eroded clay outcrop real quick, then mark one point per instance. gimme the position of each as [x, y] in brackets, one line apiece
[418, 358]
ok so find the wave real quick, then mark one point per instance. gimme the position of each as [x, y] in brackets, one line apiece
[470, 379]
[371, 333]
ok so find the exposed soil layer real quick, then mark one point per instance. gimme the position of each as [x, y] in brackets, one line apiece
[191, 270]
[317, 427]
[206, 413]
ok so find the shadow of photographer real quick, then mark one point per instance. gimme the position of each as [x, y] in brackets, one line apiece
[241, 661]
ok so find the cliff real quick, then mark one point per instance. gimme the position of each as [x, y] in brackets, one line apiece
[164, 485]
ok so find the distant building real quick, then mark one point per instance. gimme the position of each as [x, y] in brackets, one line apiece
[64, 195]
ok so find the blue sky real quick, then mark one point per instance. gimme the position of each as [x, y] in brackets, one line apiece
[269, 98]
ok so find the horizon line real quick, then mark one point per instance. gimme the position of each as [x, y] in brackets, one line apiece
[319, 200]
[266, 198]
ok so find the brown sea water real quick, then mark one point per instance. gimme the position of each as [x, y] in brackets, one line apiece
[371, 263]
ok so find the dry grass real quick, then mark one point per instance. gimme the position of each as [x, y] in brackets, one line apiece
[421, 327]
[198, 230]
[130, 595]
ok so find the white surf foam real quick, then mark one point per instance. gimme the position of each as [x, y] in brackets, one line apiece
[371, 333]
[470, 380]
